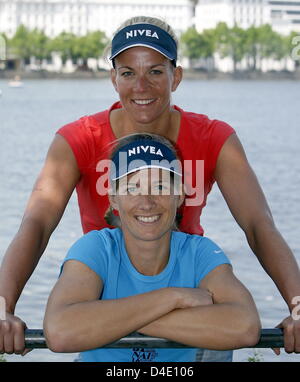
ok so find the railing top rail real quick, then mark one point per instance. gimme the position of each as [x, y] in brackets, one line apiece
[269, 338]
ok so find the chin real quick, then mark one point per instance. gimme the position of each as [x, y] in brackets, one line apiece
[145, 119]
[151, 236]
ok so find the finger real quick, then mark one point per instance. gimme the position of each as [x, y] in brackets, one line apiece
[26, 351]
[276, 351]
[297, 338]
[19, 338]
[8, 339]
[1, 343]
[289, 340]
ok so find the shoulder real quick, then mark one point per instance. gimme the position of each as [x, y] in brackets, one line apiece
[106, 236]
[96, 249]
[202, 124]
[198, 254]
[196, 245]
[185, 241]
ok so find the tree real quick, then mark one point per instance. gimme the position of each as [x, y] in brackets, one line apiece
[20, 44]
[230, 42]
[40, 48]
[262, 42]
[89, 46]
[64, 43]
[198, 45]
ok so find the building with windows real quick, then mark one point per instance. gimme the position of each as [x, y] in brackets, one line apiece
[82, 16]
[282, 15]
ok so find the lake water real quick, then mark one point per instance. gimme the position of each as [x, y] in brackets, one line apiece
[266, 117]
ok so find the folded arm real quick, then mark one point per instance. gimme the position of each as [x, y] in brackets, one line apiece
[158, 313]
[76, 320]
[231, 322]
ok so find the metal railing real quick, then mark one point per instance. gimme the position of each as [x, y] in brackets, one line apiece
[269, 338]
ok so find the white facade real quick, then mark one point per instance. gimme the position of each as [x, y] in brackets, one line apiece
[285, 15]
[82, 16]
[282, 15]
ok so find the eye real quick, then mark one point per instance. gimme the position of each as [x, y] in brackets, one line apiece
[127, 74]
[133, 190]
[162, 188]
[155, 72]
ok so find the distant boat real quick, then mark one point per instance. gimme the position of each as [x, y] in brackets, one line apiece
[16, 82]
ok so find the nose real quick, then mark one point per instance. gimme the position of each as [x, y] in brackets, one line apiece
[147, 202]
[141, 83]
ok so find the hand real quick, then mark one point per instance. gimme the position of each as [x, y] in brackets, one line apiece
[291, 335]
[193, 297]
[12, 335]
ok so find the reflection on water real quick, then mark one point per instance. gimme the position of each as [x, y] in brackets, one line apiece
[266, 117]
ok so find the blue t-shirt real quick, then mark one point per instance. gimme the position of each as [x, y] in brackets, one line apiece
[191, 258]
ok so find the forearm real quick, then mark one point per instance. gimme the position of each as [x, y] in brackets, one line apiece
[103, 321]
[20, 260]
[218, 326]
[277, 259]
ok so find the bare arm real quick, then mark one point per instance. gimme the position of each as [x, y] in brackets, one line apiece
[173, 313]
[231, 322]
[45, 207]
[249, 207]
[98, 322]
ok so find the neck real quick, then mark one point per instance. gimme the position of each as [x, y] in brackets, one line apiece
[148, 257]
[167, 125]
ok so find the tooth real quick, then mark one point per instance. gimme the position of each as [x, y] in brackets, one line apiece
[143, 101]
[148, 219]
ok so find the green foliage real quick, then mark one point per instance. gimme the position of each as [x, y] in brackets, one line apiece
[90, 46]
[252, 44]
[65, 45]
[20, 43]
[34, 43]
[230, 42]
[2, 359]
[196, 45]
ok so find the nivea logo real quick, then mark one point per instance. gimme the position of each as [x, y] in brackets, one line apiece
[141, 32]
[144, 149]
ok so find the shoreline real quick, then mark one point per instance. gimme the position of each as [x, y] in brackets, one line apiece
[187, 74]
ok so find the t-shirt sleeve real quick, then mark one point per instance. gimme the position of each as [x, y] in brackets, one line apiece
[80, 138]
[90, 250]
[209, 256]
[219, 132]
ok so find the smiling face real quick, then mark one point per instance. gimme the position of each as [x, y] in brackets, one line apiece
[147, 201]
[144, 80]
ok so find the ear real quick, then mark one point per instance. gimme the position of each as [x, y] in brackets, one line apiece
[177, 77]
[113, 76]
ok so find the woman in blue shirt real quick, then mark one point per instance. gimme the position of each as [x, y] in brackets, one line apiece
[146, 276]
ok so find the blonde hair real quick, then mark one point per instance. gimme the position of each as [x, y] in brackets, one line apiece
[142, 20]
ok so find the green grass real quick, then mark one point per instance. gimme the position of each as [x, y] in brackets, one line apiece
[2, 359]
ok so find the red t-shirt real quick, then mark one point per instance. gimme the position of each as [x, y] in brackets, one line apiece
[199, 143]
